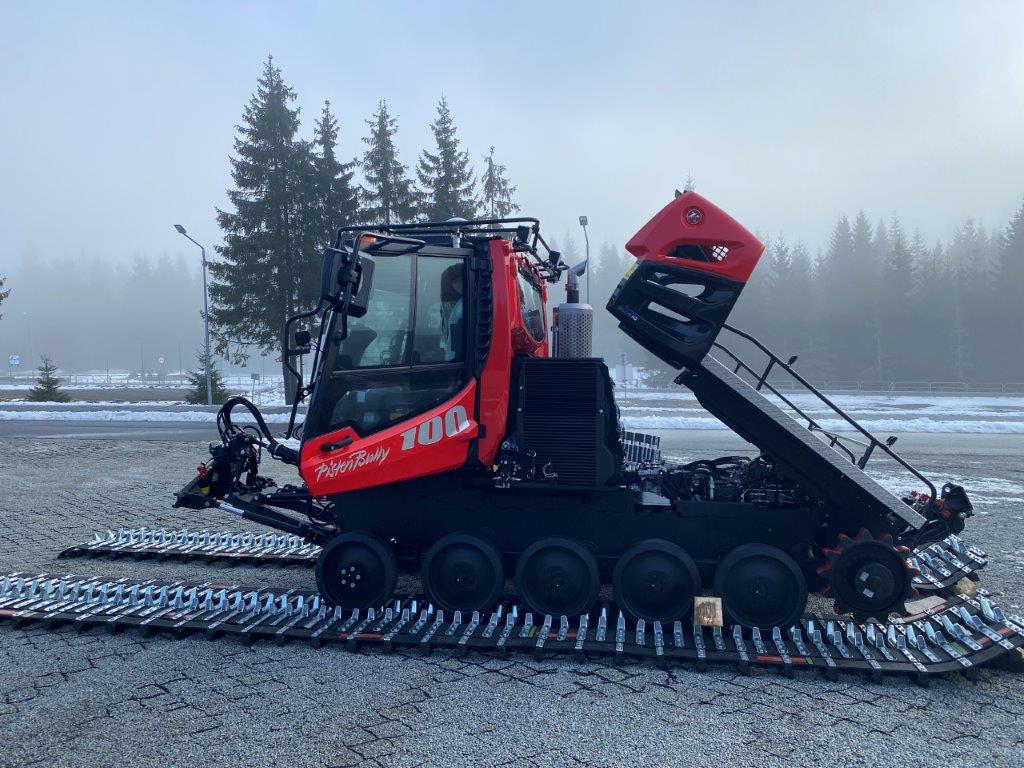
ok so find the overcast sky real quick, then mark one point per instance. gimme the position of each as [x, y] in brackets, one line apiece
[118, 119]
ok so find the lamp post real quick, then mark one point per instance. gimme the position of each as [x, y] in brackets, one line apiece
[206, 316]
[586, 238]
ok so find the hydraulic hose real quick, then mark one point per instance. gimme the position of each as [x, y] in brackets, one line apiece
[227, 429]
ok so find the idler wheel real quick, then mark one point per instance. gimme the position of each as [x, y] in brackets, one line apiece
[462, 573]
[356, 570]
[761, 586]
[867, 576]
[655, 580]
[557, 577]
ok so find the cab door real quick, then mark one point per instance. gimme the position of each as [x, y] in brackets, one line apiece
[396, 399]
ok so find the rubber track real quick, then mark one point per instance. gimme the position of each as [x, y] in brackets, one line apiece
[956, 635]
[942, 564]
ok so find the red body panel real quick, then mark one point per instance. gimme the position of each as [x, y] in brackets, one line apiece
[692, 220]
[431, 442]
[438, 440]
[510, 338]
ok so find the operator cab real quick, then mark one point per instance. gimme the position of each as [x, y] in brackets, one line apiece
[406, 354]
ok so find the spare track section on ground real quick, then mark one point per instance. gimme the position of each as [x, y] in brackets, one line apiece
[222, 547]
[942, 564]
[955, 635]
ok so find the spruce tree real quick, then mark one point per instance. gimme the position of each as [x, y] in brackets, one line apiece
[330, 198]
[570, 253]
[495, 190]
[896, 308]
[388, 196]
[837, 322]
[256, 282]
[1008, 309]
[446, 178]
[969, 257]
[197, 381]
[336, 196]
[47, 388]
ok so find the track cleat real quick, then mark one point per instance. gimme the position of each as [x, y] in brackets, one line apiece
[868, 576]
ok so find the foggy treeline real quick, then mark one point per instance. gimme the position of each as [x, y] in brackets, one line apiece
[89, 313]
[874, 304]
[879, 304]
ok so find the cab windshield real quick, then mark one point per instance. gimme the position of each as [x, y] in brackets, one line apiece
[405, 355]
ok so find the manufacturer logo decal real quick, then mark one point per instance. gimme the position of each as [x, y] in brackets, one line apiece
[694, 216]
[357, 460]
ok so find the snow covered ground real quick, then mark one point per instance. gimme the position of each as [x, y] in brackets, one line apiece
[68, 412]
[881, 413]
[640, 409]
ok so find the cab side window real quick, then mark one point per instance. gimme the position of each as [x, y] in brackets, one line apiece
[439, 334]
[531, 306]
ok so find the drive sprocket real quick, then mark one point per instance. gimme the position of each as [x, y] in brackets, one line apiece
[867, 576]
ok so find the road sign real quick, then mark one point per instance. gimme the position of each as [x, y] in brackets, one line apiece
[14, 360]
[160, 360]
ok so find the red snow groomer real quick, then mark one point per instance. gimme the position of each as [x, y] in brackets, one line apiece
[448, 433]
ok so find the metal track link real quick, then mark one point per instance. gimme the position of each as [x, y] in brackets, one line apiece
[941, 564]
[944, 563]
[215, 546]
[956, 635]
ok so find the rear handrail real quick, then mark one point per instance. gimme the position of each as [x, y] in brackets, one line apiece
[834, 440]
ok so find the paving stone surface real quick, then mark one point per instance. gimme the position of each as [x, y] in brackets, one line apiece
[95, 699]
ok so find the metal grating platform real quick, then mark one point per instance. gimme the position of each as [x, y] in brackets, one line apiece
[956, 635]
[942, 564]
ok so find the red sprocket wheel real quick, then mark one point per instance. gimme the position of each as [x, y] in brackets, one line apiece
[868, 576]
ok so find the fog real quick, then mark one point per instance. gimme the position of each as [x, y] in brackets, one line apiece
[119, 120]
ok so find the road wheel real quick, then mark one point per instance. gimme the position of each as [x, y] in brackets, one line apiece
[356, 570]
[462, 573]
[557, 577]
[656, 580]
[761, 586]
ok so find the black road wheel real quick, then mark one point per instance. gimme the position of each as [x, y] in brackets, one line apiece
[656, 580]
[462, 573]
[557, 577]
[867, 576]
[761, 586]
[356, 570]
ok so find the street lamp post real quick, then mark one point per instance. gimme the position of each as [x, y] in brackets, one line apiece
[206, 317]
[586, 238]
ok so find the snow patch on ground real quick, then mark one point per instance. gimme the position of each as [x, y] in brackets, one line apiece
[640, 409]
[239, 415]
[888, 426]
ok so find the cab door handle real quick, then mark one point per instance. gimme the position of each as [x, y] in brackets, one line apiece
[328, 447]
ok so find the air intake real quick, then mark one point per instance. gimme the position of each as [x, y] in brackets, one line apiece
[564, 412]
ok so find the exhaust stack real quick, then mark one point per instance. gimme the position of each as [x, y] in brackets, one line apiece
[572, 324]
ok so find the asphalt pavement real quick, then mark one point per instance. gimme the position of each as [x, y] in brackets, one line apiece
[95, 699]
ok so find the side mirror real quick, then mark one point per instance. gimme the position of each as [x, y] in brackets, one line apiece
[361, 298]
[554, 259]
[302, 339]
[329, 288]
